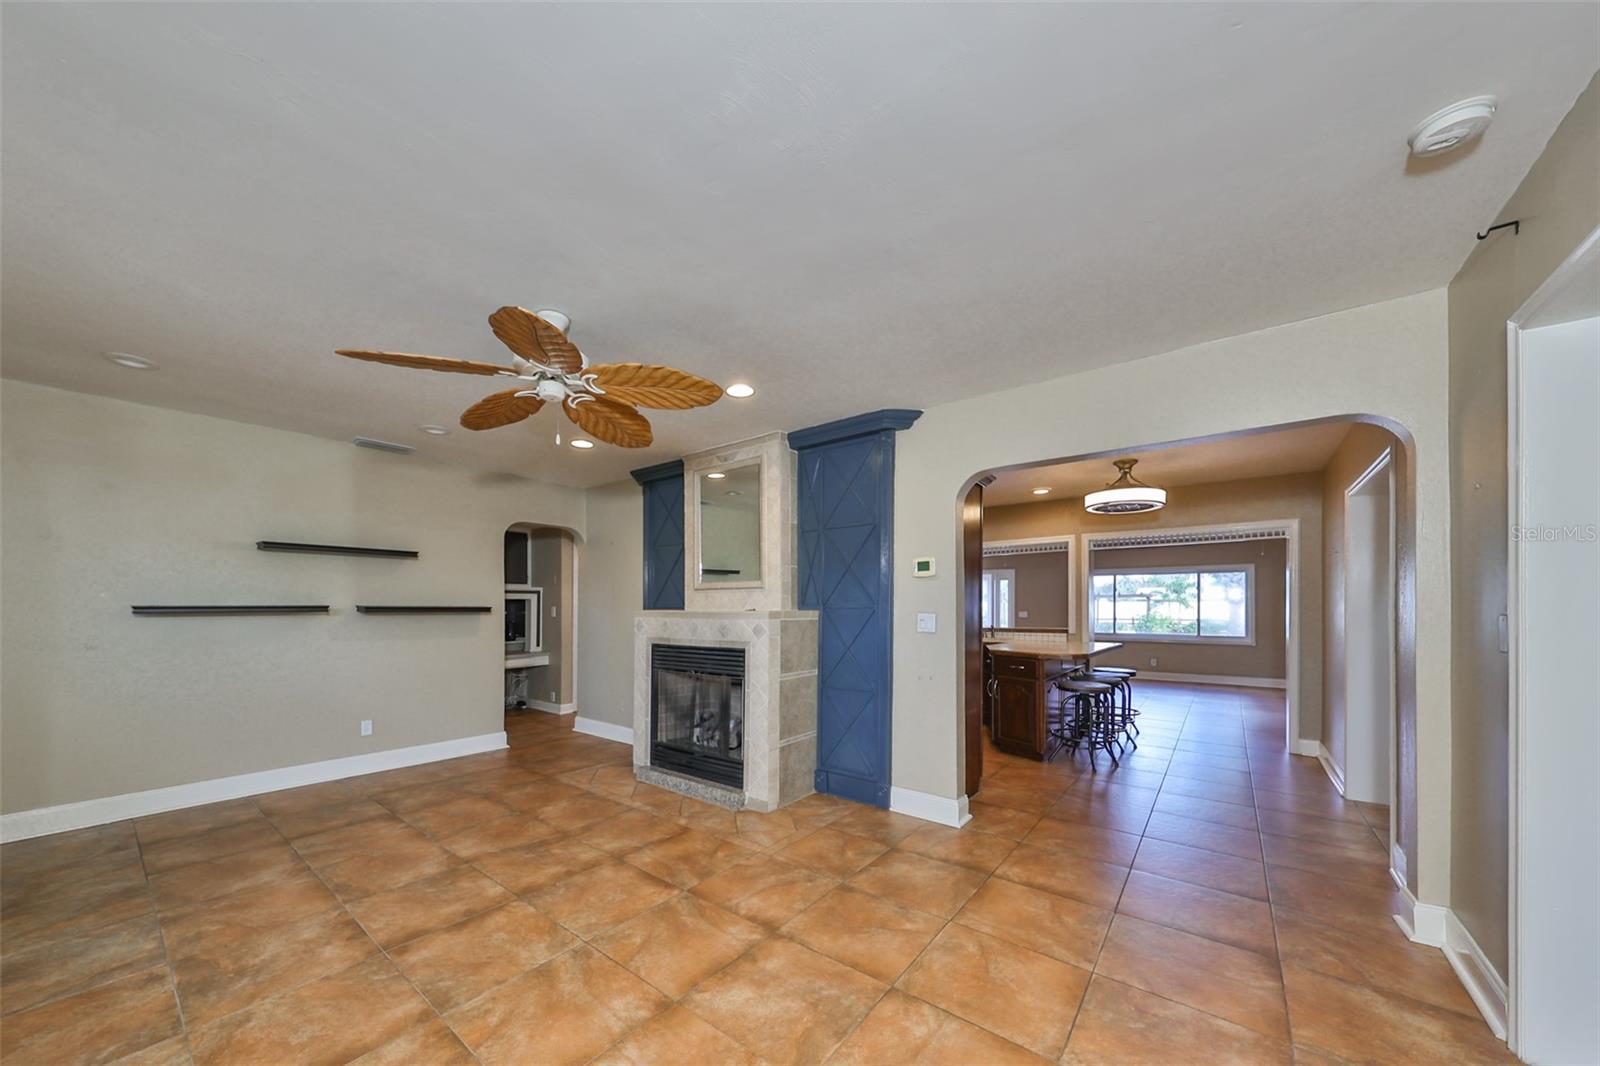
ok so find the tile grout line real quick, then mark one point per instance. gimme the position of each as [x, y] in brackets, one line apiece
[166, 954]
[1094, 970]
[1272, 915]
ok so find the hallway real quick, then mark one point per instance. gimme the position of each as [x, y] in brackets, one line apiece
[540, 905]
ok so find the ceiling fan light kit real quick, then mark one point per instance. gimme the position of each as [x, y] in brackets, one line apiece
[601, 400]
[1126, 495]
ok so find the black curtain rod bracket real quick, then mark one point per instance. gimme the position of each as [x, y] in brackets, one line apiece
[1515, 225]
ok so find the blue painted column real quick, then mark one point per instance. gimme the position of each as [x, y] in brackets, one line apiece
[662, 485]
[846, 572]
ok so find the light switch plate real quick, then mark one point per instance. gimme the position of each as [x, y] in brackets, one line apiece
[366, 727]
[927, 622]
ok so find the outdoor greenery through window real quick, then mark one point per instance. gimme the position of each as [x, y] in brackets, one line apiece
[1163, 604]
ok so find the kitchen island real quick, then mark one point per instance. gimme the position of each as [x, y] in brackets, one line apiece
[1020, 688]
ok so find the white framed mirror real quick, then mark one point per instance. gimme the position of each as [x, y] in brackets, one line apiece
[728, 506]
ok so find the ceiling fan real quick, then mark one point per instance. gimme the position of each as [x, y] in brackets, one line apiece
[549, 368]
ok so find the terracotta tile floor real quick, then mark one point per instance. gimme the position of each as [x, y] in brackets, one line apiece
[1212, 899]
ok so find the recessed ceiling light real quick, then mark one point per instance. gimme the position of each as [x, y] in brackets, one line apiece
[434, 431]
[740, 391]
[733, 492]
[582, 444]
[132, 362]
[716, 475]
[1041, 491]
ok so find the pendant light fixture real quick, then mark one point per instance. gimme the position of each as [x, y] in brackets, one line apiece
[1126, 495]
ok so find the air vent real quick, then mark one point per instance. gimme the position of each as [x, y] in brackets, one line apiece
[383, 445]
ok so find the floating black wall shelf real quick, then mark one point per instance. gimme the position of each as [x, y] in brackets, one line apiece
[333, 549]
[371, 608]
[242, 608]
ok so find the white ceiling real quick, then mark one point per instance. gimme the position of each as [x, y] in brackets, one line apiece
[851, 206]
[1297, 450]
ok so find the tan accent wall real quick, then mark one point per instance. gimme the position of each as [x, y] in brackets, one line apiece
[1267, 658]
[1296, 496]
[1558, 204]
[110, 504]
[1042, 587]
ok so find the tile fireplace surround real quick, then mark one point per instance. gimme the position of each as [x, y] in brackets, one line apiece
[780, 699]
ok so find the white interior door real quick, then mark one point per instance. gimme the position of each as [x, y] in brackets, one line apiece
[1369, 633]
[1556, 962]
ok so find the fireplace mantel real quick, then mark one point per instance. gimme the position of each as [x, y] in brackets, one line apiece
[780, 698]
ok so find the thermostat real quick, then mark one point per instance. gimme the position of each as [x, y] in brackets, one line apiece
[922, 567]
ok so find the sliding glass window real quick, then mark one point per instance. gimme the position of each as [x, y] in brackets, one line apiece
[1201, 604]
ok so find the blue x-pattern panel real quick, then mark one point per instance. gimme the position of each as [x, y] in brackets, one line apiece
[846, 518]
[663, 544]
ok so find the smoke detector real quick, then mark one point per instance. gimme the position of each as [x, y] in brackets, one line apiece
[1450, 127]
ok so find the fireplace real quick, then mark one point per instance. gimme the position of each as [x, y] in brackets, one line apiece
[697, 715]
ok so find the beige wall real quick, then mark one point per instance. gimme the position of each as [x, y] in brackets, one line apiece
[1558, 204]
[109, 504]
[552, 572]
[1386, 360]
[1293, 496]
[610, 593]
[1266, 658]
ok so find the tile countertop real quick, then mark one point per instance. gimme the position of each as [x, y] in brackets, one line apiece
[1071, 649]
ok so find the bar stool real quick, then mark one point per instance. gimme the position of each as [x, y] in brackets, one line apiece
[1122, 677]
[1093, 718]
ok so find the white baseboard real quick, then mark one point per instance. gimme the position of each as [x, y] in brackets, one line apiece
[1423, 923]
[930, 808]
[1310, 748]
[1214, 679]
[21, 825]
[553, 708]
[1438, 927]
[1478, 976]
[1336, 775]
[604, 730]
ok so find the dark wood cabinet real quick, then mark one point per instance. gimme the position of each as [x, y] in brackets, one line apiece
[1023, 687]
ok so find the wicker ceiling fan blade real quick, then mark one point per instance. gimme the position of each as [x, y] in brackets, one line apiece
[501, 409]
[607, 420]
[426, 362]
[647, 385]
[535, 339]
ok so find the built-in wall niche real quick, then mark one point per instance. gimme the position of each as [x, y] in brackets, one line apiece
[524, 623]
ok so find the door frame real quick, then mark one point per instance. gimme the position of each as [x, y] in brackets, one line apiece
[1500, 1005]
